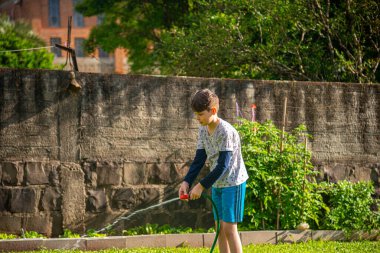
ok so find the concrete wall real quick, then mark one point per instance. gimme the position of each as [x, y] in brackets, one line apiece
[79, 160]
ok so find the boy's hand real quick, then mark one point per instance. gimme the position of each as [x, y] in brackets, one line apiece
[196, 192]
[183, 189]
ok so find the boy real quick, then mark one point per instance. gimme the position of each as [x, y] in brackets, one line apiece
[218, 142]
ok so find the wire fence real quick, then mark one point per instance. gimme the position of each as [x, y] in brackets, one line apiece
[26, 49]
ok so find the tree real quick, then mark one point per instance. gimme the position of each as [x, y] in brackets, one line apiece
[18, 35]
[314, 40]
[134, 25]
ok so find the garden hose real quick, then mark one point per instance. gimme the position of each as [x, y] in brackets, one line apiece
[186, 196]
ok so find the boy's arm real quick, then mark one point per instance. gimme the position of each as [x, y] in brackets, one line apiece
[223, 162]
[196, 166]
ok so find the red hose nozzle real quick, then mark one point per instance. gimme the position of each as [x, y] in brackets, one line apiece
[184, 196]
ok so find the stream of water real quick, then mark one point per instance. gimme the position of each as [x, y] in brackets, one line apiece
[77, 244]
[134, 213]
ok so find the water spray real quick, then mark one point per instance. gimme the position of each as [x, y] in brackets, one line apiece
[182, 197]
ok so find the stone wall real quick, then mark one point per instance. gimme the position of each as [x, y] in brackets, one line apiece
[80, 160]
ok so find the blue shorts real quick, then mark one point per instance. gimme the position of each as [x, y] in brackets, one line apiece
[229, 202]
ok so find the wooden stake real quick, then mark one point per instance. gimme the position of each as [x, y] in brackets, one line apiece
[281, 150]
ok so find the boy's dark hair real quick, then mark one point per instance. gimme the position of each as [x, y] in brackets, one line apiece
[204, 100]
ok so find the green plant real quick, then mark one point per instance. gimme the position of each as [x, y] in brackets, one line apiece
[93, 233]
[350, 205]
[67, 233]
[4, 236]
[32, 234]
[149, 229]
[279, 188]
[19, 35]
[288, 40]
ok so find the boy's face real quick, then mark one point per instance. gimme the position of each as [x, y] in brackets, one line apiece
[205, 117]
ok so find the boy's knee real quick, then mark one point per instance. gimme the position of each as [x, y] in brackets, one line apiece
[229, 229]
[230, 233]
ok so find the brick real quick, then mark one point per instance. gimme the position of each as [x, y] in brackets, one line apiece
[374, 235]
[148, 241]
[206, 219]
[20, 245]
[258, 237]
[64, 244]
[186, 218]
[109, 173]
[96, 201]
[328, 235]
[208, 239]
[118, 242]
[39, 223]
[147, 196]
[57, 219]
[134, 173]
[4, 199]
[36, 173]
[123, 198]
[89, 169]
[24, 200]
[160, 217]
[10, 224]
[293, 236]
[73, 197]
[53, 172]
[158, 174]
[12, 173]
[184, 240]
[51, 199]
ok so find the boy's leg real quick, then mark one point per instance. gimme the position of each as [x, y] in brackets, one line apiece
[232, 237]
[222, 240]
[232, 206]
[229, 202]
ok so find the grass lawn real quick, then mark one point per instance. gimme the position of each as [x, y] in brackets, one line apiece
[308, 247]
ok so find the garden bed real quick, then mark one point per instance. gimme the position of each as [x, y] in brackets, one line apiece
[198, 240]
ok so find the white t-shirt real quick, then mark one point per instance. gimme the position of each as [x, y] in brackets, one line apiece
[224, 138]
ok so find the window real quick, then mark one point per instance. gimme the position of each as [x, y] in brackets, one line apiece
[55, 50]
[54, 17]
[79, 50]
[102, 53]
[77, 17]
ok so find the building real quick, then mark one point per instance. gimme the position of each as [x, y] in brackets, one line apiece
[49, 19]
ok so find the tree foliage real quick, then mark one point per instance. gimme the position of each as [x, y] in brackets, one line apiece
[319, 40]
[134, 25]
[19, 35]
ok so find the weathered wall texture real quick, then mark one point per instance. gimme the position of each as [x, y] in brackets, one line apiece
[80, 160]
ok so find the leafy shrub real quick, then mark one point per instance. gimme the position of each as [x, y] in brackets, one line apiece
[4, 236]
[67, 233]
[32, 234]
[93, 233]
[278, 169]
[282, 182]
[350, 205]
